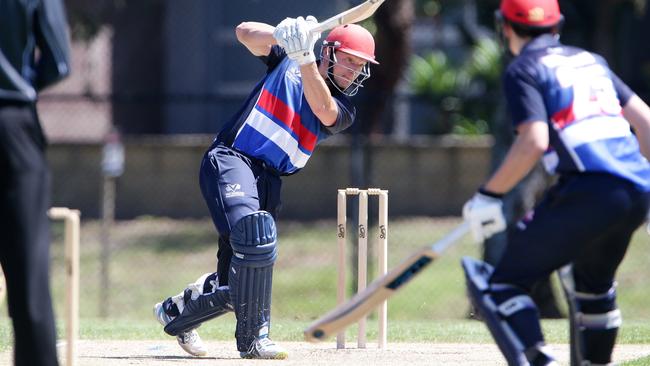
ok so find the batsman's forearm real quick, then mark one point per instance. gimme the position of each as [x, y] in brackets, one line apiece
[514, 169]
[643, 137]
[528, 148]
[638, 114]
[318, 95]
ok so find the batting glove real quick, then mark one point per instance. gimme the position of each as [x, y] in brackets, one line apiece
[300, 40]
[484, 212]
[282, 31]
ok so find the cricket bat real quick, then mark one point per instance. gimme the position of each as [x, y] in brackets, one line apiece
[353, 15]
[381, 289]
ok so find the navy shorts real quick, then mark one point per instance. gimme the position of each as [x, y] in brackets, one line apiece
[233, 186]
[587, 220]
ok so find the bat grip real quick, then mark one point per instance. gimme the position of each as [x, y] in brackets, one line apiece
[322, 27]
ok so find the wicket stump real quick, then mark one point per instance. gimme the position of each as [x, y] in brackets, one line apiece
[362, 270]
[71, 239]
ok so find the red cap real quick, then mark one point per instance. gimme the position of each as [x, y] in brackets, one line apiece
[532, 13]
[355, 40]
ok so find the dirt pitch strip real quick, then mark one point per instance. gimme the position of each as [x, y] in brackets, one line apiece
[160, 353]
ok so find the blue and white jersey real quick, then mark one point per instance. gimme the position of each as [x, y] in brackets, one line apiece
[580, 98]
[276, 124]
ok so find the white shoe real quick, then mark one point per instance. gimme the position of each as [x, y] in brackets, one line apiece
[189, 341]
[192, 343]
[264, 348]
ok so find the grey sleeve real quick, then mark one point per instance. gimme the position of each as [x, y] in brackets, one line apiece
[51, 33]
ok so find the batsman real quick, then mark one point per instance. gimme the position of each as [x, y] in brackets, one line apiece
[570, 110]
[300, 101]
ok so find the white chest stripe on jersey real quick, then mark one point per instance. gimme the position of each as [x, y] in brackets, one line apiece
[594, 129]
[279, 136]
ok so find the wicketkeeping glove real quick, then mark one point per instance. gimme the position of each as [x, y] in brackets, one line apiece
[484, 212]
[299, 41]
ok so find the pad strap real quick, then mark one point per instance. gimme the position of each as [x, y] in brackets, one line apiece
[594, 322]
[198, 310]
[609, 320]
[503, 314]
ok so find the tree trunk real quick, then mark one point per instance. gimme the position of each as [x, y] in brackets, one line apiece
[393, 47]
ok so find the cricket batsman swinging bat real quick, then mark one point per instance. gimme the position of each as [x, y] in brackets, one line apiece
[354, 15]
[381, 289]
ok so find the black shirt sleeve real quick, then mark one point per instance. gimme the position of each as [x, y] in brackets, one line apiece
[525, 101]
[274, 57]
[52, 40]
[346, 116]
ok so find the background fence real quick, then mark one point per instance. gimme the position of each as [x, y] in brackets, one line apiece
[152, 258]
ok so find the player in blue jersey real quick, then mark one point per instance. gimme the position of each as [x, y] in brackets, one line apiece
[297, 104]
[570, 110]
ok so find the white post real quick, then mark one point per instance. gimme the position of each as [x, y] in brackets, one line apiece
[362, 278]
[382, 267]
[341, 213]
[71, 238]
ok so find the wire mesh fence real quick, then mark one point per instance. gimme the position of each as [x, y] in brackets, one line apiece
[153, 258]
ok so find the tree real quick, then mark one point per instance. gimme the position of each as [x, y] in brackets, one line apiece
[87, 17]
[393, 23]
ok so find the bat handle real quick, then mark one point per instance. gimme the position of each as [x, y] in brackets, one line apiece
[320, 27]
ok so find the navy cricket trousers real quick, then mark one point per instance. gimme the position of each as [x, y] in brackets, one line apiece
[587, 220]
[233, 186]
[24, 228]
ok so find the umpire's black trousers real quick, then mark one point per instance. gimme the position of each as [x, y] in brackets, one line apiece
[24, 233]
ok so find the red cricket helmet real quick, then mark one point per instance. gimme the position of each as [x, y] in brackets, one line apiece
[355, 40]
[532, 13]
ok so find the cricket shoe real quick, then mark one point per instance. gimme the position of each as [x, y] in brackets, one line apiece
[189, 341]
[264, 348]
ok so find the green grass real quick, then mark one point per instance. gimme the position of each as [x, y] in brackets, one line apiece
[152, 258]
[434, 331]
[645, 361]
[155, 258]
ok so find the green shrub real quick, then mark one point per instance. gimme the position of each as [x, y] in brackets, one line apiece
[464, 94]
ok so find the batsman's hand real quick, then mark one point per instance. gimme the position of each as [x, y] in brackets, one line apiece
[297, 39]
[282, 30]
[484, 212]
